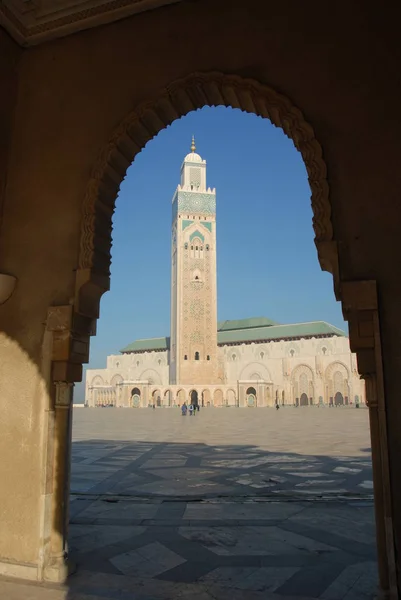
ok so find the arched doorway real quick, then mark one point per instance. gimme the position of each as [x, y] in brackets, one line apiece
[231, 398]
[302, 381]
[167, 398]
[194, 398]
[338, 399]
[251, 397]
[181, 397]
[303, 401]
[135, 397]
[156, 398]
[255, 398]
[218, 398]
[206, 398]
[337, 384]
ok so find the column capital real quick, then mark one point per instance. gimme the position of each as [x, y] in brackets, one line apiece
[359, 304]
[63, 396]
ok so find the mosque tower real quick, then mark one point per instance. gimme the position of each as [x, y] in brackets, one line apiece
[193, 341]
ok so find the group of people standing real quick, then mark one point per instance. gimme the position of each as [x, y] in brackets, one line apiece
[191, 409]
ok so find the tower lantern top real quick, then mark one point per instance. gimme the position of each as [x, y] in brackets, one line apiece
[193, 156]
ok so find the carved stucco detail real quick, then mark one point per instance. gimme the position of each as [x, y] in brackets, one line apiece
[183, 96]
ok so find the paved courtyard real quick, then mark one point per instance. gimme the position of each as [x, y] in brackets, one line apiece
[235, 504]
[222, 452]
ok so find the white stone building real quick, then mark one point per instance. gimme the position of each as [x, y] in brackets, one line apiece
[251, 362]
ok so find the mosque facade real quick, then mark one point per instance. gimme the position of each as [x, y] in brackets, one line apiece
[250, 363]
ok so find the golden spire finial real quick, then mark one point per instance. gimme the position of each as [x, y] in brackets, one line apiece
[193, 147]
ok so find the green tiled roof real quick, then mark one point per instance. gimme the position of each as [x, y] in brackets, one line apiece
[162, 343]
[259, 329]
[278, 332]
[245, 323]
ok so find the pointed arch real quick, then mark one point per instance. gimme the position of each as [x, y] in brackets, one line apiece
[152, 376]
[255, 371]
[144, 122]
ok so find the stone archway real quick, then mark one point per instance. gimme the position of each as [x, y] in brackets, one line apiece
[302, 382]
[195, 91]
[167, 397]
[231, 398]
[337, 379]
[206, 398]
[338, 399]
[251, 397]
[181, 397]
[303, 400]
[194, 398]
[156, 397]
[218, 397]
[135, 397]
[141, 125]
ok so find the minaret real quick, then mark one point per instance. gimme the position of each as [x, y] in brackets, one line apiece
[193, 341]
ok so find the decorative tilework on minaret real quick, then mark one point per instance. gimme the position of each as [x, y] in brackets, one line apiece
[193, 344]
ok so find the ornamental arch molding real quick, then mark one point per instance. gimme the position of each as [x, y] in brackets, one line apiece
[303, 385]
[152, 376]
[115, 380]
[336, 366]
[144, 123]
[255, 369]
[302, 370]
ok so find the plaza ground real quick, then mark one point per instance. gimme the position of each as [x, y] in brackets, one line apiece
[230, 503]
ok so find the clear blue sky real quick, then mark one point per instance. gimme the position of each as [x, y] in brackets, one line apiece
[266, 260]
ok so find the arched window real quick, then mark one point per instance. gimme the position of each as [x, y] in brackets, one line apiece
[292, 352]
[262, 355]
[159, 361]
[185, 356]
[186, 246]
[234, 357]
[208, 357]
[196, 355]
[324, 349]
[207, 246]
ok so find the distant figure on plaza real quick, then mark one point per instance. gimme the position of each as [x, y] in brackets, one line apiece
[277, 405]
[184, 409]
[154, 406]
[191, 410]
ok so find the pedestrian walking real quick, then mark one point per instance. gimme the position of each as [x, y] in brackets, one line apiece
[191, 410]
[184, 409]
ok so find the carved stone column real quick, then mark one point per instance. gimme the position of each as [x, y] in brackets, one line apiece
[68, 335]
[359, 300]
[59, 567]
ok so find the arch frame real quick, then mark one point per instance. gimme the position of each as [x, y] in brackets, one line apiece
[255, 368]
[331, 369]
[144, 122]
[301, 368]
